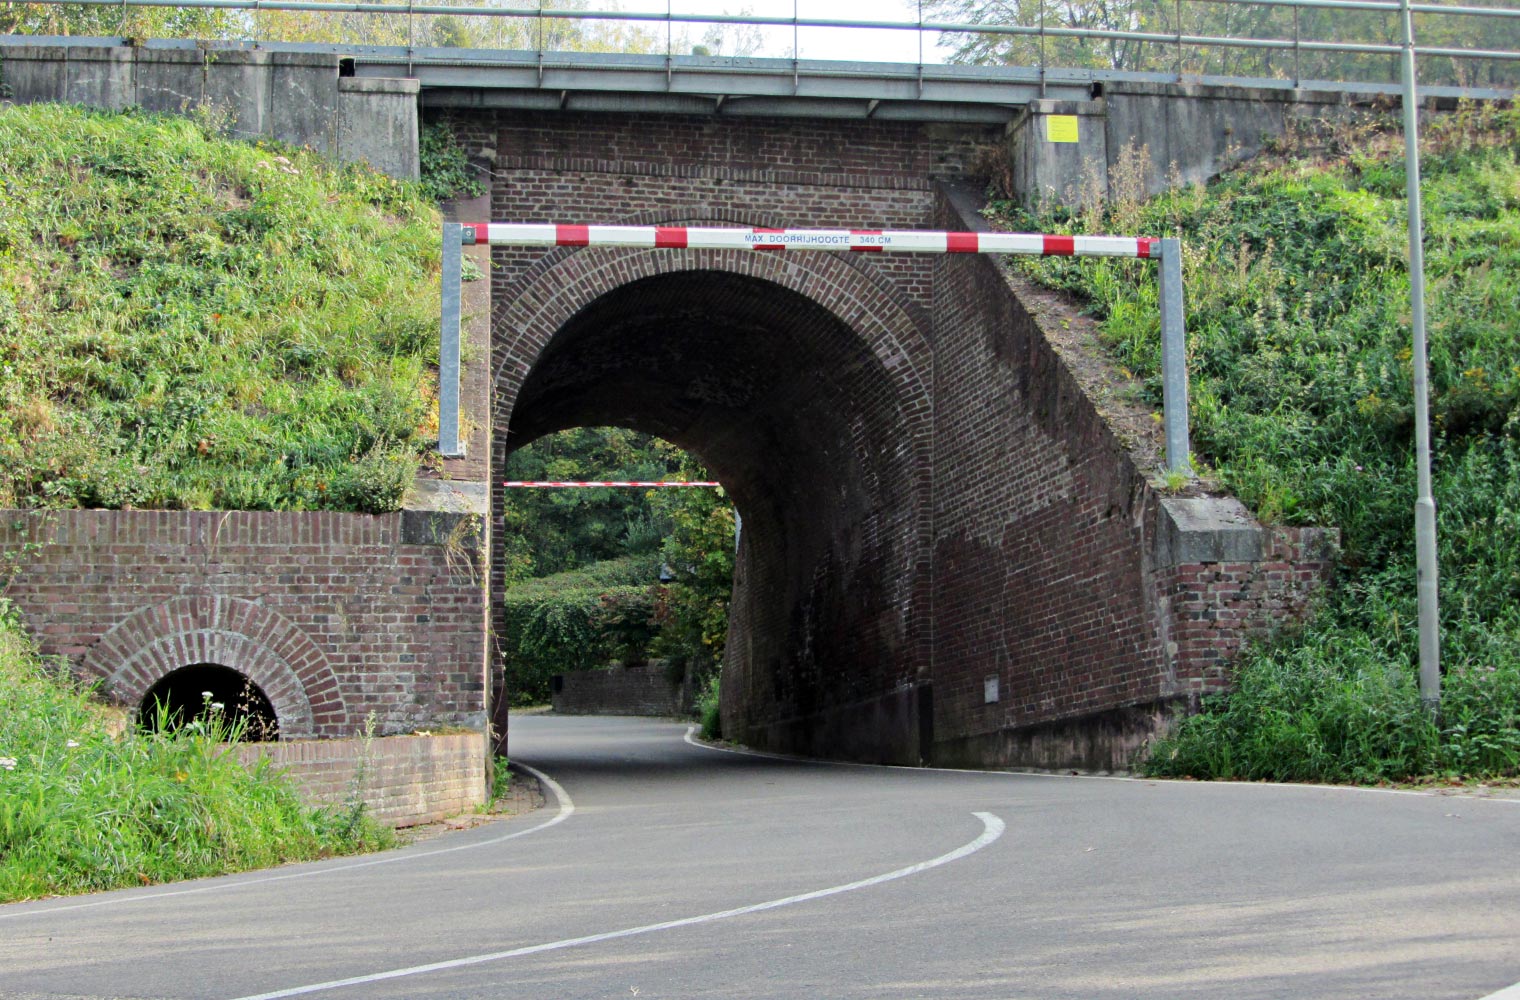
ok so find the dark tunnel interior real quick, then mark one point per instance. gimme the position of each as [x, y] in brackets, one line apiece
[794, 413]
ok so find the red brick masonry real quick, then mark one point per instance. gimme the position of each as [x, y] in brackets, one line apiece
[404, 781]
[334, 616]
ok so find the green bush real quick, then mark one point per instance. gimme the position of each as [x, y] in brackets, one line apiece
[190, 322]
[1298, 296]
[708, 709]
[575, 621]
[83, 810]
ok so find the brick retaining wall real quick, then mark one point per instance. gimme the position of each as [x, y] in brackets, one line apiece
[643, 690]
[407, 780]
[333, 616]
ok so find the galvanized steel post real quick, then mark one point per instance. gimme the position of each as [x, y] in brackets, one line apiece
[448, 348]
[1174, 383]
[1426, 561]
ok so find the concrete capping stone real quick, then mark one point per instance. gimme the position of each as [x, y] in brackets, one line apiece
[1206, 530]
[447, 496]
[305, 59]
[1222, 92]
[378, 85]
[1045, 106]
[429, 527]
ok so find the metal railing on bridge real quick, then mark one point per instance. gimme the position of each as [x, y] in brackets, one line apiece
[1465, 50]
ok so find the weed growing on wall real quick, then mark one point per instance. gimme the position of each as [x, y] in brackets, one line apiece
[193, 323]
[1298, 324]
[87, 805]
[445, 169]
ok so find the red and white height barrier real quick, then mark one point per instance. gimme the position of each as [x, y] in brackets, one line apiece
[1166, 252]
[856, 240]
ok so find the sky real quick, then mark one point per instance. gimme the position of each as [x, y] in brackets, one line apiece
[814, 43]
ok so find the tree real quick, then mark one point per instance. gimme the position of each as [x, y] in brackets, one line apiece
[551, 531]
[692, 608]
[1225, 20]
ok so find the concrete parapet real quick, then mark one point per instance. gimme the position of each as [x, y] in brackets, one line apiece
[295, 97]
[1143, 138]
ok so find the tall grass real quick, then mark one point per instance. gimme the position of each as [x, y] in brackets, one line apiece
[83, 808]
[189, 322]
[1298, 316]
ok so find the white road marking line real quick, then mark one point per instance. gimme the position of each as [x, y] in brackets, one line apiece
[768, 755]
[566, 809]
[1508, 993]
[992, 829]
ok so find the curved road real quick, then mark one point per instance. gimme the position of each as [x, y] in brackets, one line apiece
[673, 870]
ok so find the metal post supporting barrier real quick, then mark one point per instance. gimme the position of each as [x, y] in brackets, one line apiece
[1174, 380]
[449, 444]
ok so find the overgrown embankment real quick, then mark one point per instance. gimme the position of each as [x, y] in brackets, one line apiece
[86, 805]
[193, 323]
[1298, 324]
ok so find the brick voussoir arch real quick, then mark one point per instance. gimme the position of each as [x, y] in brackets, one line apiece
[269, 649]
[569, 280]
[711, 215]
[894, 332]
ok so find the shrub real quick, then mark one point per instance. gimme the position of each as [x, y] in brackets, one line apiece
[574, 621]
[708, 709]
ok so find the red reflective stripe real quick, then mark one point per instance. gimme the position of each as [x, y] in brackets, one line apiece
[670, 237]
[962, 243]
[1060, 246]
[482, 234]
[572, 236]
[1145, 245]
[768, 246]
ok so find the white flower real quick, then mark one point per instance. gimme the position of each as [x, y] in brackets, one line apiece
[9, 763]
[71, 744]
[205, 696]
[218, 706]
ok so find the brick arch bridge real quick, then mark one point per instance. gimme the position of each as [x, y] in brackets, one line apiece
[948, 553]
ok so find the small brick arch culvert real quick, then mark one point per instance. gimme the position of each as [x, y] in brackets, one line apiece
[202, 692]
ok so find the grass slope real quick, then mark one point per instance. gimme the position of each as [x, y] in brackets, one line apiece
[189, 322]
[1298, 325]
[82, 809]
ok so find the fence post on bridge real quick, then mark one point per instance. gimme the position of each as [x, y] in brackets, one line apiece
[448, 346]
[1174, 381]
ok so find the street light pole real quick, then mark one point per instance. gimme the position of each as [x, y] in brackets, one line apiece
[1425, 504]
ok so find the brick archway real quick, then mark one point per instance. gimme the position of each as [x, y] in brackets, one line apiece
[267, 648]
[803, 382]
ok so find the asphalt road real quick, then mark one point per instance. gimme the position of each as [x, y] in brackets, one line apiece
[672, 870]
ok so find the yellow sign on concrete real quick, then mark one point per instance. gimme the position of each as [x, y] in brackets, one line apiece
[1061, 128]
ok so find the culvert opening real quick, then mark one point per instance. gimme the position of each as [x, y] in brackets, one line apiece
[210, 695]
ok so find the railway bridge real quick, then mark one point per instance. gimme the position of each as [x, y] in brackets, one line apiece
[955, 547]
